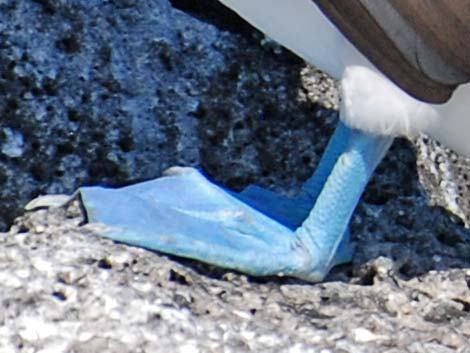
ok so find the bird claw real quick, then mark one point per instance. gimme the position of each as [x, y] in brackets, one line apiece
[256, 231]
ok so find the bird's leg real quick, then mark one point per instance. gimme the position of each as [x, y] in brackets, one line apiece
[341, 192]
[185, 214]
[292, 211]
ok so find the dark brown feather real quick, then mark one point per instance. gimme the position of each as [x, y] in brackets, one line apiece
[428, 56]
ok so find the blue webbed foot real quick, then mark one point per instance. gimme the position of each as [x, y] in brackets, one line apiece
[257, 231]
[185, 214]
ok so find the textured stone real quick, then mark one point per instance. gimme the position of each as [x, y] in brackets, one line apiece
[90, 294]
[116, 92]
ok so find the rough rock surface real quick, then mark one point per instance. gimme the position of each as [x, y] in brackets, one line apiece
[113, 92]
[66, 289]
[445, 176]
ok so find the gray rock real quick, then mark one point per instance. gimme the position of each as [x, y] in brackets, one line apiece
[66, 288]
[116, 92]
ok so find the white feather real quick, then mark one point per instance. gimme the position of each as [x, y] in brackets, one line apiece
[453, 126]
[302, 28]
[370, 101]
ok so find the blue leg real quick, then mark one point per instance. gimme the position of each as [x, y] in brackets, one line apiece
[293, 211]
[339, 197]
[186, 215]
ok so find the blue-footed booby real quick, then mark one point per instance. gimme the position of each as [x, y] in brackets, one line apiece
[403, 67]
